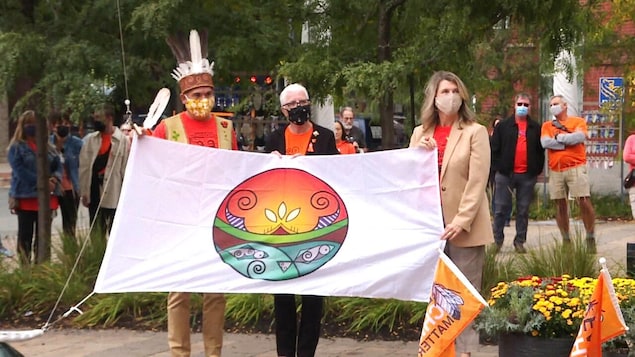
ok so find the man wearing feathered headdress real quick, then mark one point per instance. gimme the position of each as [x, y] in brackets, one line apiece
[197, 126]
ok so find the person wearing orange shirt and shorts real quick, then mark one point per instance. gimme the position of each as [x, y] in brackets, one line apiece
[564, 137]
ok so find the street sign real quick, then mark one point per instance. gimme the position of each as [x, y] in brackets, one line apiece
[611, 89]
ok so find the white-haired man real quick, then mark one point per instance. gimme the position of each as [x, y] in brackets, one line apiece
[300, 137]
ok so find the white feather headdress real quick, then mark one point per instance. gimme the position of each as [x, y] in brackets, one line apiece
[191, 55]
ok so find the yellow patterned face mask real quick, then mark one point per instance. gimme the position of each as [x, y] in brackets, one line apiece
[199, 108]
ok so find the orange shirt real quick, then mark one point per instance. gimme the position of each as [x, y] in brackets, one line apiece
[298, 143]
[571, 156]
[199, 132]
[520, 159]
[344, 147]
[441, 134]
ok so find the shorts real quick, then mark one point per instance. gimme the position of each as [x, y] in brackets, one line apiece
[574, 181]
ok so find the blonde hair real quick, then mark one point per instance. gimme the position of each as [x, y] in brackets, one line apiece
[18, 135]
[429, 113]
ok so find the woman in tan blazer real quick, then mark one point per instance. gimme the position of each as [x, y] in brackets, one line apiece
[448, 124]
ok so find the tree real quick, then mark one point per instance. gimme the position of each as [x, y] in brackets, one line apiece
[359, 61]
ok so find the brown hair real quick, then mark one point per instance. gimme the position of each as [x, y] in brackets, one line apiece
[429, 113]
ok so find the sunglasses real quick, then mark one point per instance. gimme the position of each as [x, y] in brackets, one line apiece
[522, 104]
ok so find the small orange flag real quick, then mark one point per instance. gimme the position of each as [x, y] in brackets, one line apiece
[602, 320]
[454, 303]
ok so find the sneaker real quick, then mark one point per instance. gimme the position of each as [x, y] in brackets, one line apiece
[520, 248]
[590, 246]
[6, 252]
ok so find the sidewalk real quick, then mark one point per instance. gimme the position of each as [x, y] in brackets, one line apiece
[5, 174]
[119, 343]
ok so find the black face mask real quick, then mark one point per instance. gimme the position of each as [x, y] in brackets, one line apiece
[62, 131]
[99, 126]
[300, 114]
[29, 130]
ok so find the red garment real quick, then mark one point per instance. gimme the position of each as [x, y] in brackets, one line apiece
[67, 185]
[298, 143]
[30, 204]
[441, 134]
[520, 159]
[344, 147]
[106, 140]
[199, 132]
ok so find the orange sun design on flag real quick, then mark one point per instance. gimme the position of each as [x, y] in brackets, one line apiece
[280, 224]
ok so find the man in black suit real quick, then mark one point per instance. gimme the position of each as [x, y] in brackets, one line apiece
[300, 137]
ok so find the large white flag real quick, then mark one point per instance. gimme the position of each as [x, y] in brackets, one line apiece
[197, 219]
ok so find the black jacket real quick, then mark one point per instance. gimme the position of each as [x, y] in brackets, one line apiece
[324, 142]
[503, 143]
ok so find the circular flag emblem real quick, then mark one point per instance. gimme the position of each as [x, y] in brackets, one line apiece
[280, 224]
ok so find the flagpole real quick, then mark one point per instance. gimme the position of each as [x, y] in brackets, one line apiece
[611, 288]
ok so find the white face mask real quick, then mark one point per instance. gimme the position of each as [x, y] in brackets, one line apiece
[449, 104]
[555, 109]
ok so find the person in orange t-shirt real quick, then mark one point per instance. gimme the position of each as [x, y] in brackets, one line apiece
[517, 160]
[343, 146]
[564, 137]
[300, 137]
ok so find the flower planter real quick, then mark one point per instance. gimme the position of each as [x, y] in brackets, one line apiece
[516, 345]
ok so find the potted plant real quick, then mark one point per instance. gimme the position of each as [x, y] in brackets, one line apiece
[535, 316]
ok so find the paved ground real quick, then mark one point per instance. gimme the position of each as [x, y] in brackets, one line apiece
[119, 343]
[612, 239]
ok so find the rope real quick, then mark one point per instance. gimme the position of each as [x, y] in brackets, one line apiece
[118, 156]
[22, 335]
[123, 52]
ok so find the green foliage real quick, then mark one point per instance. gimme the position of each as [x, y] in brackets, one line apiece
[249, 309]
[512, 315]
[497, 268]
[142, 309]
[374, 315]
[558, 258]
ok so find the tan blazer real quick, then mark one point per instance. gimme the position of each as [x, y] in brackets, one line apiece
[464, 174]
